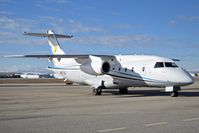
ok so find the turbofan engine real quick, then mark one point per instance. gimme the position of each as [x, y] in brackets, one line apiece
[96, 67]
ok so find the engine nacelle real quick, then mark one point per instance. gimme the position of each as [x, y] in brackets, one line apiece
[96, 67]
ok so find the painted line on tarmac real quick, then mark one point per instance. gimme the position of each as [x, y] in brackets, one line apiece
[155, 124]
[191, 119]
[112, 129]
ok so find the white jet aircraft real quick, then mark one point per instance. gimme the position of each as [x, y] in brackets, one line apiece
[114, 71]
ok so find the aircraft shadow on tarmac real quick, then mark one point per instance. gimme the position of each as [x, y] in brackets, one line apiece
[194, 92]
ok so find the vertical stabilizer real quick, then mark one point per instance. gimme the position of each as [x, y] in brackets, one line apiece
[54, 44]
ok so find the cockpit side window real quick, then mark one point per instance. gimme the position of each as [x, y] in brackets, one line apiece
[170, 64]
[159, 65]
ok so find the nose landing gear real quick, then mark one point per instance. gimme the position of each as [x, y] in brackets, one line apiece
[173, 90]
[174, 93]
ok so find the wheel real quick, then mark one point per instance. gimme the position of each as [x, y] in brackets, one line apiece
[97, 91]
[174, 93]
[123, 91]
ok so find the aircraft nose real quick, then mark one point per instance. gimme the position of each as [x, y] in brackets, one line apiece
[180, 77]
[187, 79]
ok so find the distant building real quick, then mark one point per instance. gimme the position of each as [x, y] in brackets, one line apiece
[29, 76]
[9, 75]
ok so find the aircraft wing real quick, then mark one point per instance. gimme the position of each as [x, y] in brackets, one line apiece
[57, 56]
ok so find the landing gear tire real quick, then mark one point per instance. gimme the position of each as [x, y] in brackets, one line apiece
[123, 91]
[97, 91]
[174, 93]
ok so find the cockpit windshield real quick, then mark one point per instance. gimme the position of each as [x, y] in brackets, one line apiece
[170, 64]
[159, 65]
[165, 64]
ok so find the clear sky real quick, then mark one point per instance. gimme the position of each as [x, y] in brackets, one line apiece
[168, 28]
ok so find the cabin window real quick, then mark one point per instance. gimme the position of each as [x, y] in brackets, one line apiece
[159, 65]
[119, 68]
[143, 69]
[170, 64]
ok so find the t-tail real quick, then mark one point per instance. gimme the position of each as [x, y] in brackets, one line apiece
[53, 42]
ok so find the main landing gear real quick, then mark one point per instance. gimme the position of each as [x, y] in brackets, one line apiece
[97, 91]
[123, 91]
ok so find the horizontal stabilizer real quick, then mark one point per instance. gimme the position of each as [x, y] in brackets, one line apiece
[47, 35]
